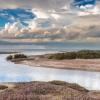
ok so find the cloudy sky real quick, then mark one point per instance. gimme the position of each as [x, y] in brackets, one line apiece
[49, 20]
[42, 4]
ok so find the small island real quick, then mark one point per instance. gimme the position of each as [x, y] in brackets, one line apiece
[88, 60]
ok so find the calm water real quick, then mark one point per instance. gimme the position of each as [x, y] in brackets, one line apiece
[48, 46]
[10, 72]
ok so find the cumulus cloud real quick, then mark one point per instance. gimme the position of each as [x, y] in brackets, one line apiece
[89, 11]
[11, 29]
[85, 28]
[55, 19]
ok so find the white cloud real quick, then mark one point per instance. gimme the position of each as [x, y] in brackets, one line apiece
[56, 16]
[86, 29]
[11, 29]
[40, 14]
[89, 11]
[57, 24]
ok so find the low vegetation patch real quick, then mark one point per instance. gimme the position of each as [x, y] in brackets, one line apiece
[62, 83]
[83, 54]
[2, 87]
[54, 90]
[73, 85]
[16, 56]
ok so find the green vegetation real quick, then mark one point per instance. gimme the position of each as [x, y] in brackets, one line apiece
[83, 54]
[16, 56]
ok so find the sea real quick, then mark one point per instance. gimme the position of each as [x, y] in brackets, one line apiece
[47, 46]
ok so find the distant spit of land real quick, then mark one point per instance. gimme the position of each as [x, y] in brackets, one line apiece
[2, 52]
[88, 60]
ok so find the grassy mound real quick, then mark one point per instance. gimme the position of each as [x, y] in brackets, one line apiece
[54, 90]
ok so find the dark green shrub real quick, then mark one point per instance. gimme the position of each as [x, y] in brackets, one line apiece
[70, 55]
[61, 56]
[88, 54]
[16, 56]
[19, 56]
[62, 83]
[9, 57]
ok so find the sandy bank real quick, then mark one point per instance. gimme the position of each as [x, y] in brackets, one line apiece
[76, 64]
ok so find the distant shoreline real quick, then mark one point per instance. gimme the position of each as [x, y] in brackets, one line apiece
[7, 52]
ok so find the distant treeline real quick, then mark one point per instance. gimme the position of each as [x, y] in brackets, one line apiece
[82, 54]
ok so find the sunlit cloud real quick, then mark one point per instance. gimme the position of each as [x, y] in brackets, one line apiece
[50, 20]
[93, 11]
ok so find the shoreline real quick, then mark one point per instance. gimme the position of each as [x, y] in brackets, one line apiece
[74, 64]
[1, 52]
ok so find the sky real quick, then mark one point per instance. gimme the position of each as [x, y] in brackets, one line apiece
[42, 4]
[50, 20]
